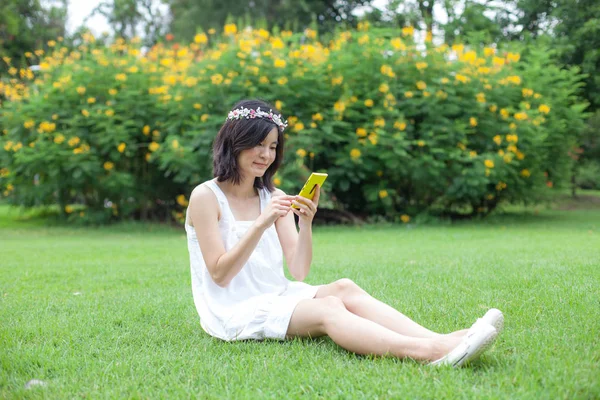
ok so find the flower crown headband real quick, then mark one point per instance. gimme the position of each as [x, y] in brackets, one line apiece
[247, 113]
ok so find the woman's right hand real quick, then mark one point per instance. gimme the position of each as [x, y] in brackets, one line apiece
[278, 207]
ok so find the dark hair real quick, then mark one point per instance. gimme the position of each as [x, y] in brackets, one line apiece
[237, 135]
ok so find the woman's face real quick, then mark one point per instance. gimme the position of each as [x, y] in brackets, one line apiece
[254, 162]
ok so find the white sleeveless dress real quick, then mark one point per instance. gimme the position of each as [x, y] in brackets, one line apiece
[259, 301]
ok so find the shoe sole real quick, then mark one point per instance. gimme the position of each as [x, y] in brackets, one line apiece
[484, 346]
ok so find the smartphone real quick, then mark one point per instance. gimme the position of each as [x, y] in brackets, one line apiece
[309, 189]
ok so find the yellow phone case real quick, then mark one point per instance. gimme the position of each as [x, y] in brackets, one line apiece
[308, 190]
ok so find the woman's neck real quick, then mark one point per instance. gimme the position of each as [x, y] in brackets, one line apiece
[243, 191]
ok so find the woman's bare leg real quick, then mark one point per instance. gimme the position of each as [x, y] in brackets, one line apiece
[359, 302]
[329, 316]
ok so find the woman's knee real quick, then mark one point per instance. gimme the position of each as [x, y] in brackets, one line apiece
[346, 287]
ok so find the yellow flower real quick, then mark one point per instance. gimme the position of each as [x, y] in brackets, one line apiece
[369, 103]
[279, 63]
[462, 78]
[512, 138]
[355, 154]
[408, 31]
[525, 173]
[458, 48]
[504, 113]
[513, 57]
[337, 80]
[397, 44]
[489, 163]
[85, 113]
[421, 65]
[514, 79]
[361, 132]
[81, 90]
[489, 51]
[339, 106]
[421, 85]
[121, 77]
[108, 165]
[298, 127]
[201, 38]
[29, 124]
[440, 94]
[146, 130]
[301, 153]
[109, 113]
[317, 117]
[197, 106]
[520, 116]
[481, 97]
[373, 138]
[421, 143]
[204, 117]
[121, 147]
[544, 109]
[264, 80]
[383, 194]
[527, 92]
[405, 218]
[74, 141]
[69, 209]
[313, 125]
[493, 108]
[216, 79]
[384, 88]
[278, 104]
[508, 158]
[133, 69]
[310, 33]
[400, 125]
[230, 29]
[379, 122]
[498, 139]
[498, 61]
[473, 121]
[282, 81]
[58, 139]
[277, 181]
[408, 94]
[520, 156]
[472, 153]
[182, 201]
[153, 146]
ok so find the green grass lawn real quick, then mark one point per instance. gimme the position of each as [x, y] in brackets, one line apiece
[108, 312]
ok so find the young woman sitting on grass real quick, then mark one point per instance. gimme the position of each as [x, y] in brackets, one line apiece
[239, 227]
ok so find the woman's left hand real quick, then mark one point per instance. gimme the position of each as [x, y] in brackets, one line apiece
[308, 208]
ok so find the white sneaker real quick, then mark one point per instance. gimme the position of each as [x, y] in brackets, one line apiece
[471, 347]
[493, 317]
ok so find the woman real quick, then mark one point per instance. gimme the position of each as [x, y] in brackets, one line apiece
[239, 227]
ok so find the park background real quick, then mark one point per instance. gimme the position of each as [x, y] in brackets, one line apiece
[462, 143]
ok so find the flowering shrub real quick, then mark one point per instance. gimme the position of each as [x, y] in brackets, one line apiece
[108, 132]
